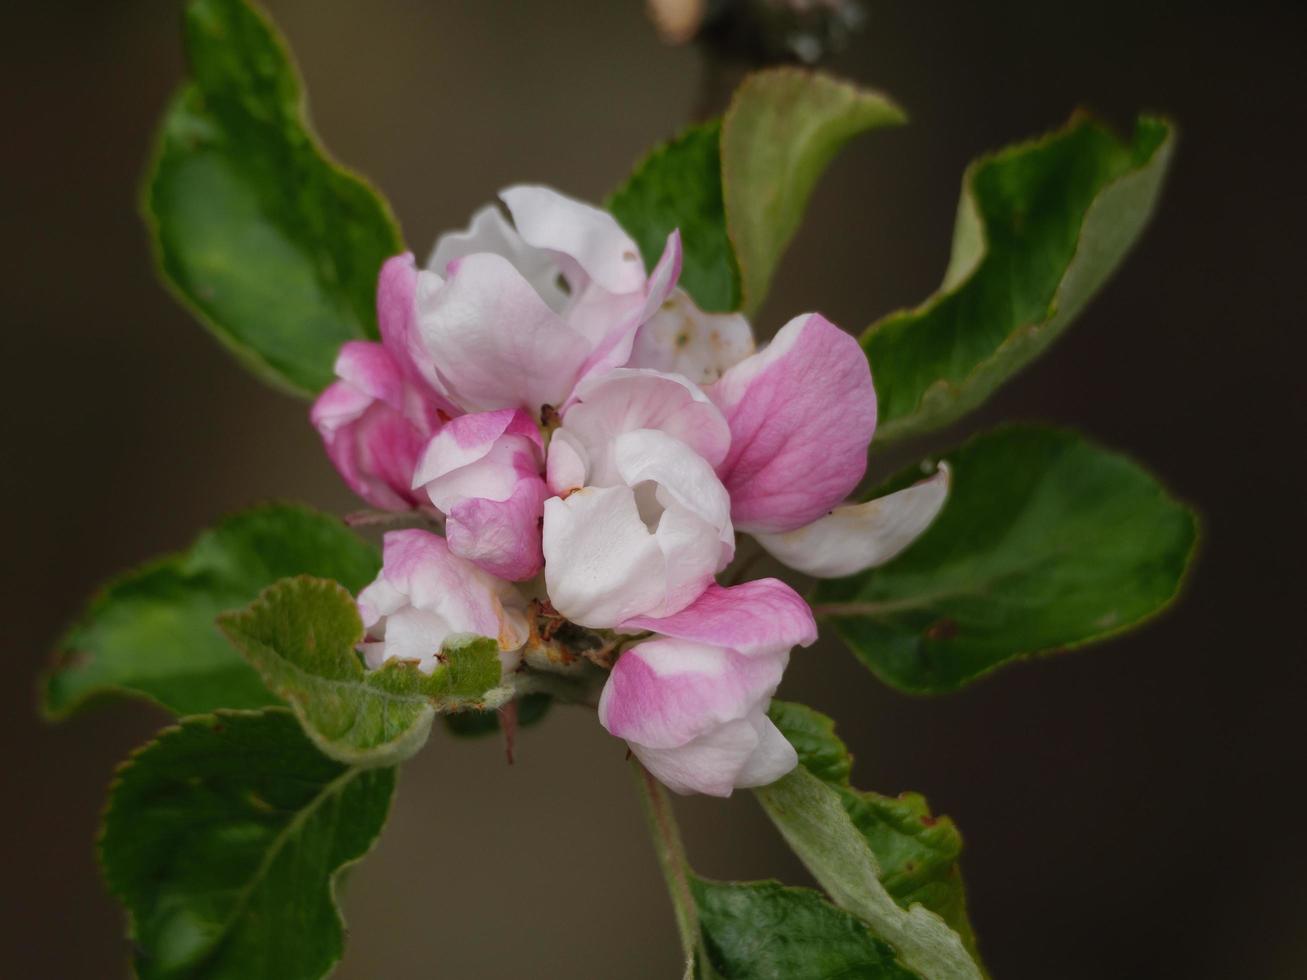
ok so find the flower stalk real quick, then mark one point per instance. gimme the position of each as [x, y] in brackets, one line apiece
[672, 860]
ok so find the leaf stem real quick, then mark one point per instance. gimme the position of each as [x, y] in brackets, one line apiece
[671, 858]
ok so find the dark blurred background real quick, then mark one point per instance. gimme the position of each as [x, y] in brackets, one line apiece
[1131, 810]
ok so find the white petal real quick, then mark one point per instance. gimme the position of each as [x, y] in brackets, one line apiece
[591, 238]
[682, 338]
[709, 764]
[493, 341]
[855, 537]
[602, 565]
[489, 231]
[624, 400]
[773, 757]
[684, 478]
[568, 463]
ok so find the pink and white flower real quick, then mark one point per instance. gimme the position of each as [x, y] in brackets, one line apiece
[586, 430]
[693, 707]
[483, 472]
[425, 594]
[375, 420]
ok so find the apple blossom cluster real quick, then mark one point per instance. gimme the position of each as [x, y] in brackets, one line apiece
[594, 443]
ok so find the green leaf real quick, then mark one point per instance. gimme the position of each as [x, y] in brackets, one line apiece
[813, 736]
[751, 173]
[1047, 542]
[301, 635]
[810, 815]
[1040, 227]
[917, 853]
[765, 931]
[151, 633]
[272, 245]
[782, 129]
[679, 185]
[531, 710]
[225, 838]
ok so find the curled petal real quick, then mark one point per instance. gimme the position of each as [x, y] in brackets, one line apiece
[748, 752]
[494, 341]
[373, 370]
[683, 482]
[679, 337]
[645, 547]
[568, 463]
[397, 286]
[602, 564]
[471, 439]
[802, 413]
[665, 693]
[590, 239]
[490, 232]
[425, 594]
[501, 536]
[608, 405]
[368, 438]
[612, 321]
[855, 537]
[764, 617]
[483, 471]
[695, 715]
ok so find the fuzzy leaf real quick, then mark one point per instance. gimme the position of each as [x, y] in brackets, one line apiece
[764, 931]
[783, 128]
[1046, 542]
[272, 245]
[225, 838]
[151, 633]
[811, 817]
[1040, 227]
[917, 853]
[301, 635]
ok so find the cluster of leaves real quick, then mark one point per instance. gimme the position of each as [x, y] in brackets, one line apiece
[224, 837]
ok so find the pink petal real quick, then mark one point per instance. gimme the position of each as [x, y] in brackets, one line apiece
[371, 443]
[609, 405]
[855, 537]
[763, 617]
[613, 321]
[470, 438]
[747, 752]
[427, 593]
[373, 370]
[397, 317]
[501, 536]
[802, 413]
[664, 693]
[489, 231]
[494, 341]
